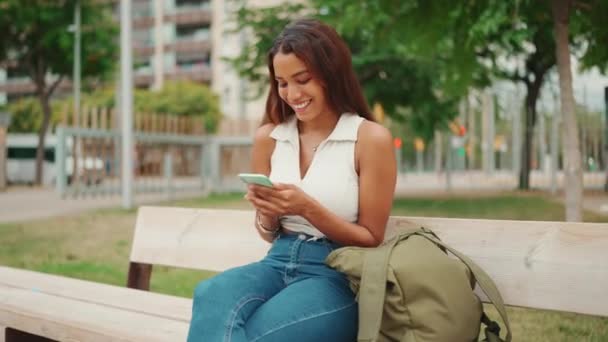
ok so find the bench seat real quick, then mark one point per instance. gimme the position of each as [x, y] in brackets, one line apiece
[67, 309]
[545, 265]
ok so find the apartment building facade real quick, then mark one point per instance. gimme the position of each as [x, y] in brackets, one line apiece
[172, 39]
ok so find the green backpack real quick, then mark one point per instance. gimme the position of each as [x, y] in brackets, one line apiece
[410, 290]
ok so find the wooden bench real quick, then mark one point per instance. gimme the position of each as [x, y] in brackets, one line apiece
[544, 265]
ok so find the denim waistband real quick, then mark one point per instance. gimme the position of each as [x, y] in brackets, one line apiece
[312, 245]
[283, 234]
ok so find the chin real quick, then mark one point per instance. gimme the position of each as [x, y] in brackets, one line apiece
[306, 116]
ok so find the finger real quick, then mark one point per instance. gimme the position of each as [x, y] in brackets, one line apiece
[266, 207]
[265, 192]
[283, 186]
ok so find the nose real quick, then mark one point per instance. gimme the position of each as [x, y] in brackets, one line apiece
[293, 93]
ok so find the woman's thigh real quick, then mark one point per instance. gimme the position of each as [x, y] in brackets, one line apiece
[223, 303]
[314, 309]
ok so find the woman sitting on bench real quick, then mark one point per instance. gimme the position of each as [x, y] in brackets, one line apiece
[333, 171]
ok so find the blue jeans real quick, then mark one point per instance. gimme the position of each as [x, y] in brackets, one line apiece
[290, 295]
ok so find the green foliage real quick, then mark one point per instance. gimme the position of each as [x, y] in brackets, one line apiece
[36, 36]
[26, 115]
[416, 58]
[182, 98]
[588, 25]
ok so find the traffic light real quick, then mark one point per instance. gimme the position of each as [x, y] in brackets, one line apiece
[462, 131]
[397, 142]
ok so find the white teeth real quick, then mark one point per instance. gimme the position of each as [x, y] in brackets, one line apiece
[301, 105]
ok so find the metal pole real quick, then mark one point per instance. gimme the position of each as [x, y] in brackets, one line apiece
[448, 163]
[168, 173]
[126, 103]
[159, 46]
[60, 158]
[516, 150]
[77, 152]
[77, 57]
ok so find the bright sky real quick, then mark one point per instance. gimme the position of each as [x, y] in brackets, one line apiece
[591, 83]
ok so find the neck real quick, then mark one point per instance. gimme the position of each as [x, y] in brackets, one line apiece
[321, 125]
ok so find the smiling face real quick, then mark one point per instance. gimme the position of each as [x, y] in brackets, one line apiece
[298, 87]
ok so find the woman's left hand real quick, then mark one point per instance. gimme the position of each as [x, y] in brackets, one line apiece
[280, 200]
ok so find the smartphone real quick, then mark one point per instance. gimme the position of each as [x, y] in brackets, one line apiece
[255, 178]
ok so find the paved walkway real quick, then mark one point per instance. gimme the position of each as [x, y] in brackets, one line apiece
[596, 202]
[24, 203]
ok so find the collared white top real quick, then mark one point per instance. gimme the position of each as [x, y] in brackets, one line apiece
[331, 178]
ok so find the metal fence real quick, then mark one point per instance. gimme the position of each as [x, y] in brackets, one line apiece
[88, 162]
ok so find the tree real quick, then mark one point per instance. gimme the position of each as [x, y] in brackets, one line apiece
[590, 27]
[409, 89]
[467, 42]
[573, 173]
[27, 115]
[35, 37]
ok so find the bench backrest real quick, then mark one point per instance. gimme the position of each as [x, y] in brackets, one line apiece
[546, 265]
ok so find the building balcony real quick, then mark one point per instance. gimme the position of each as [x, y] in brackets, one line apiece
[183, 45]
[23, 85]
[198, 73]
[189, 16]
[181, 16]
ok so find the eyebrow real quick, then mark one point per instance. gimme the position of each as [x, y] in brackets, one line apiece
[294, 75]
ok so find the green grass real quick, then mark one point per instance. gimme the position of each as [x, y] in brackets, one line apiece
[96, 245]
[508, 206]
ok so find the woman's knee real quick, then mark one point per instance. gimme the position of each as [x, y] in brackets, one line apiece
[202, 290]
[213, 289]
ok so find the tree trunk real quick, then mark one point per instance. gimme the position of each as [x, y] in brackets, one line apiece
[532, 93]
[44, 99]
[572, 156]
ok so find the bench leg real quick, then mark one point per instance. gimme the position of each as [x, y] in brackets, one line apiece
[139, 276]
[12, 335]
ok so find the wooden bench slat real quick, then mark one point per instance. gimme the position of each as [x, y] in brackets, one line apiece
[206, 239]
[546, 265]
[66, 319]
[113, 296]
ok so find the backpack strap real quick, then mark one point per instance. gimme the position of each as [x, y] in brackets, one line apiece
[484, 280]
[372, 289]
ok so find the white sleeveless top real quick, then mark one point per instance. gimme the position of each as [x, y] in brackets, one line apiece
[331, 178]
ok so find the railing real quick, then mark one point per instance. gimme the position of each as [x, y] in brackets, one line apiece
[88, 162]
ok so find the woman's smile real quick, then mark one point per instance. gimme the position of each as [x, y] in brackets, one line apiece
[301, 106]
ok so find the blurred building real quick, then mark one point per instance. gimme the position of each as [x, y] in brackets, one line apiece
[172, 39]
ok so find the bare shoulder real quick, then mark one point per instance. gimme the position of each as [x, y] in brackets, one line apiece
[262, 142]
[262, 133]
[373, 135]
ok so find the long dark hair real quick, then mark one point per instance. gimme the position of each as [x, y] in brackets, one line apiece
[328, 58]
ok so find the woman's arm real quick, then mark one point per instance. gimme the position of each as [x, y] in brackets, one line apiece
[263, 146]
[375, 158]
